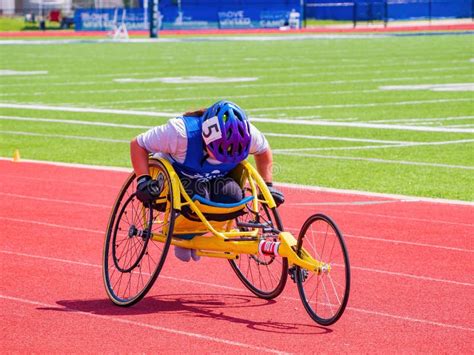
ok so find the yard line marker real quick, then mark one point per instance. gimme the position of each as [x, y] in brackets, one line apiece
[147, 325]
[383, 314]
[252, 119]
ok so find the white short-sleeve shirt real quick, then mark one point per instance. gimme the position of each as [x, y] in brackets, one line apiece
[171, 138]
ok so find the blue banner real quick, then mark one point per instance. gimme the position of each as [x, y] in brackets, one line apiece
[103, 19]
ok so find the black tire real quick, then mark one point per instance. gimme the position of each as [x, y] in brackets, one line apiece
[265, 276]
[324, 295]
[132, 260]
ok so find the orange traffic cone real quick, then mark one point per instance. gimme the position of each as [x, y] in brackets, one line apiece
[16, 156]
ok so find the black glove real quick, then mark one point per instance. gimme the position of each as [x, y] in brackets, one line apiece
[148, 189]
[276, 194]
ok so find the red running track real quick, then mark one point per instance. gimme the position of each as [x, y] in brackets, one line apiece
[412, 277]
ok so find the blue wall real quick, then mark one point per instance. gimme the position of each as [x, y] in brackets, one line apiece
[364, 10]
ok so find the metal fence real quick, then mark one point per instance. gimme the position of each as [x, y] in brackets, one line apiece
[386, 10]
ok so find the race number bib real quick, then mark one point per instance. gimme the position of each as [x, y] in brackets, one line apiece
[211, 130]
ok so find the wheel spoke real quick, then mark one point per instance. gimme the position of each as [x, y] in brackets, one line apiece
[324, 293]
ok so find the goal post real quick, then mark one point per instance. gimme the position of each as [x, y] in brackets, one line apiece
[154, 17]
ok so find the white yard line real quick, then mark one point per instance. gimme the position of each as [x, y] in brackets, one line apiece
[275, 151]
[423, 120]
[403, 145]
[372, 104]
[87, 109]
[253, 119]
[170, 88]
[377, 161]
[64, 136]
[124, 125]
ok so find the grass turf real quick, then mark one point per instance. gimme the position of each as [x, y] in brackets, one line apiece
[322, 81]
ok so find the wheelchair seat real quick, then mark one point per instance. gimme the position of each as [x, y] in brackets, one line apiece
[216, 211]
[219, 214]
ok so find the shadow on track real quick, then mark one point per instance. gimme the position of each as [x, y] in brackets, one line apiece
[203, 305]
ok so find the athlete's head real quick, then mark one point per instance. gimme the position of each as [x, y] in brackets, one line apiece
[226, 132]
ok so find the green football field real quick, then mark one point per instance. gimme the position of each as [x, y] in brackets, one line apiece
[391, 114]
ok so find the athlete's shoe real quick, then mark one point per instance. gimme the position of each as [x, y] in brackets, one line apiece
[182, 254]
[194, 255]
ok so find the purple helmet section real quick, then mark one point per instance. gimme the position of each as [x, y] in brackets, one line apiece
[234, 145]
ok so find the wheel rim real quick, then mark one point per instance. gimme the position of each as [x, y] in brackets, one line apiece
[132, 259]
[324, 293]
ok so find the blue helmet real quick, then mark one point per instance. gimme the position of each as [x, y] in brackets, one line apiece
[226, 132]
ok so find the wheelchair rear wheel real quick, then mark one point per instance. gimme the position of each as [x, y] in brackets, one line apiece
[263, 275]
[324, 294]
[132, 259]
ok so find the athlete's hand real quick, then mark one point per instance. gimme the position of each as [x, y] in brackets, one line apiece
[148, 189]
[276, 194]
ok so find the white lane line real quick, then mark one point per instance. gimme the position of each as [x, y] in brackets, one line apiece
[376, 313]
[29, 197]
[253, 119]
[393, 241]
[281, 184]
[65, 136]
[295, 230]
[69, 182]
[377, 161]
[53, 225]
[146, 325]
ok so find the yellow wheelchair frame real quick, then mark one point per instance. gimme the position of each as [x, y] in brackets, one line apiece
[135, 232]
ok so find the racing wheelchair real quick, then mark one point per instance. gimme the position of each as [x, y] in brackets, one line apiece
[249, 234]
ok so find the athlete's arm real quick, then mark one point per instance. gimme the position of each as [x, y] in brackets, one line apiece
[139, 157]
[264, 162]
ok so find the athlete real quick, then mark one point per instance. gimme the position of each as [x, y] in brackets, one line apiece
[203, 147]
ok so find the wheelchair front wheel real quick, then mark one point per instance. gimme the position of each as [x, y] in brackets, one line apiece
[132, 259]
[324, 294]
[264, 275]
